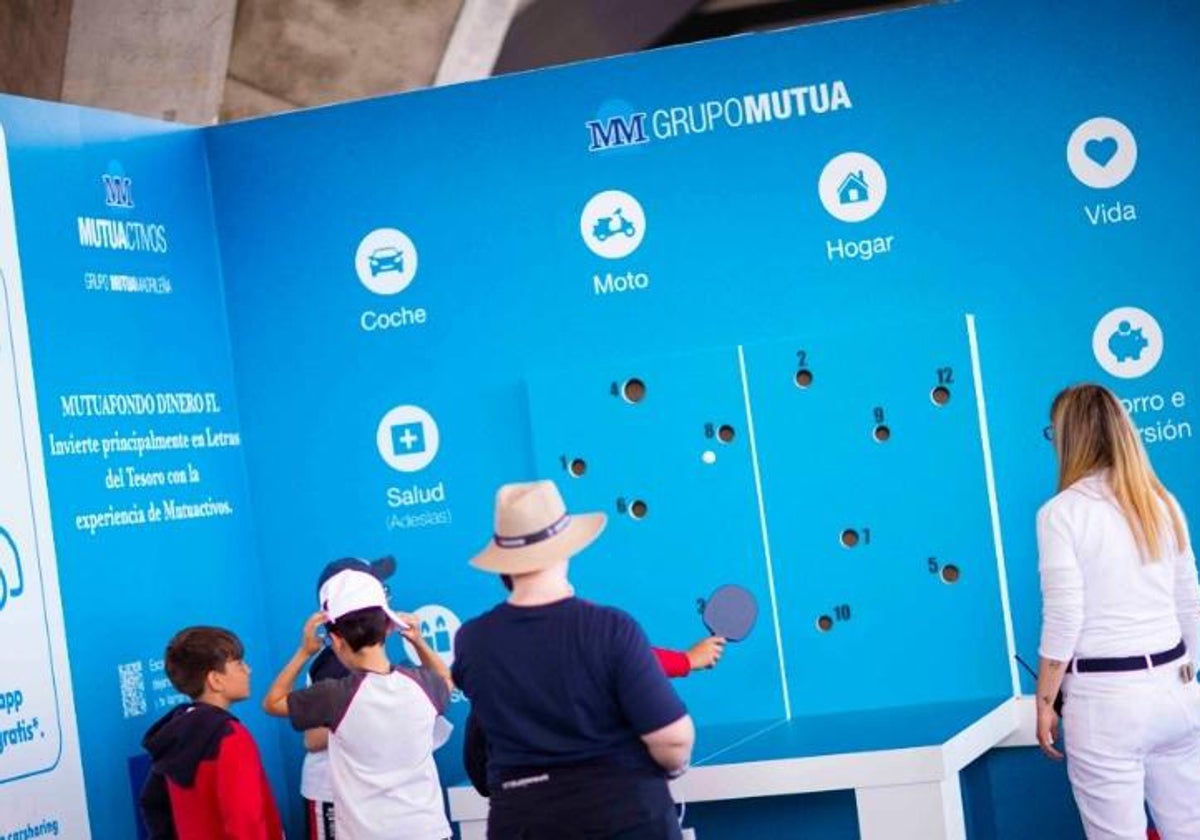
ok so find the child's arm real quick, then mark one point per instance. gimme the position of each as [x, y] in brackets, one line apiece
[244, 801]
[427, 655]
[475, 755]
[704, 654]
[276, 701]
[155, 802]
[675, 663]
[316, 740]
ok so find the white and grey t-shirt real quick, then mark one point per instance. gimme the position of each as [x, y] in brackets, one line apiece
[385, 782]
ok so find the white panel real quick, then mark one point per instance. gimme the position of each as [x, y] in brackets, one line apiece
[931, 811]
[41, 779]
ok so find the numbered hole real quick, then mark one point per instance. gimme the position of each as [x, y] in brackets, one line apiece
[725, 434]
[633, 390]
[950, 573]
[577, 467]
[940, 395]
[849, 538]
[804, 378]
[824, 624]
[882, 433]
[638, 509]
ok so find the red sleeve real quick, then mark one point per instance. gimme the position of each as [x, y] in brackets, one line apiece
[673, 662]
[245, 801]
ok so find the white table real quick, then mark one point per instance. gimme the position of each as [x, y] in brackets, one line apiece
[903, 765]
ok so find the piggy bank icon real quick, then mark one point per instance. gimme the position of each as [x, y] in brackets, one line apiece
[1127, 343]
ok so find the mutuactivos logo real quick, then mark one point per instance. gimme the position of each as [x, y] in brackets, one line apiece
[121, 234]
[636, 127]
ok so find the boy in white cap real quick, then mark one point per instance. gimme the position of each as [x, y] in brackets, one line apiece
[381, 718]
[582, 724]
[316, 782]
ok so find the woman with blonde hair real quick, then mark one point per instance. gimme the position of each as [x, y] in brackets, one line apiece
[1120, 619]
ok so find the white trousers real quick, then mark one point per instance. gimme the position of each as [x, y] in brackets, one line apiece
[1133, 738]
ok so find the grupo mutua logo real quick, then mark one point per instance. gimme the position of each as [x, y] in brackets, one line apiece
[617, 131]
[635, 127]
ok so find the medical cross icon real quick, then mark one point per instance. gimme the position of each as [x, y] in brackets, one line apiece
[408, 438]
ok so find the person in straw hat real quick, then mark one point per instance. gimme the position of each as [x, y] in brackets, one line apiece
[703, 655]
[582, 724]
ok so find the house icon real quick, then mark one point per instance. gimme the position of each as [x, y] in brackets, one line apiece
[853, 189]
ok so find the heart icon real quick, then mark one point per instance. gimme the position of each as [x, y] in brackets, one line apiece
[1101, 150]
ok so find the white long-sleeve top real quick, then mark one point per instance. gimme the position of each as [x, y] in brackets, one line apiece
[1098, 596]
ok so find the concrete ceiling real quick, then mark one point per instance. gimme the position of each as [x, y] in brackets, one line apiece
[296, 53]
[198, 61]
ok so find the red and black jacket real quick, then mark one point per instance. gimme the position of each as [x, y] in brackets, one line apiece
[207, 780]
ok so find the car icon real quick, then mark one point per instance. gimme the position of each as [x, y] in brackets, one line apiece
[387, 258]
[12, 578]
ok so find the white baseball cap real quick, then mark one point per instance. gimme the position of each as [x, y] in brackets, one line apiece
[352, 590]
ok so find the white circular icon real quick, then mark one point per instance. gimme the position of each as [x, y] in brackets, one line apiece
[386, 261]
[407, 438]
[852, 187]
[438, 628]
[1128, 342]
[1102, 152]
[612, 224]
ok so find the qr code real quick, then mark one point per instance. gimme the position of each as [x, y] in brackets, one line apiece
[133, 689]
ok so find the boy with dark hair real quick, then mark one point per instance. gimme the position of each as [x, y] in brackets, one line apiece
[207, 779]
[381, 718]
[316, 782]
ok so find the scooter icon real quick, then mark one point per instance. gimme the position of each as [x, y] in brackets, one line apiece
[607, 226]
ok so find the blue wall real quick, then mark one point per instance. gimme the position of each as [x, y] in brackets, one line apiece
[141, 317]
[967, 107]
[519, 327]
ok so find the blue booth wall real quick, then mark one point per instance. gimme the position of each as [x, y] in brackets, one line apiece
[516, 335]
[124, 299]
[269, 287]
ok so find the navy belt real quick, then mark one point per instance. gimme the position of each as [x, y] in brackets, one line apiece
[1128, 663]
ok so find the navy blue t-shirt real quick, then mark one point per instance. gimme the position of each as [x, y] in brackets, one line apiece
[568, 683]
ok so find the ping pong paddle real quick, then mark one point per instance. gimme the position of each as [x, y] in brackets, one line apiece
[729, 612]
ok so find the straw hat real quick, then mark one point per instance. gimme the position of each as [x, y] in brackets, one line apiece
[533, 530]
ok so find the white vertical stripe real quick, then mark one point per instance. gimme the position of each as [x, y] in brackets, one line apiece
[994, 505]
[766, 540]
